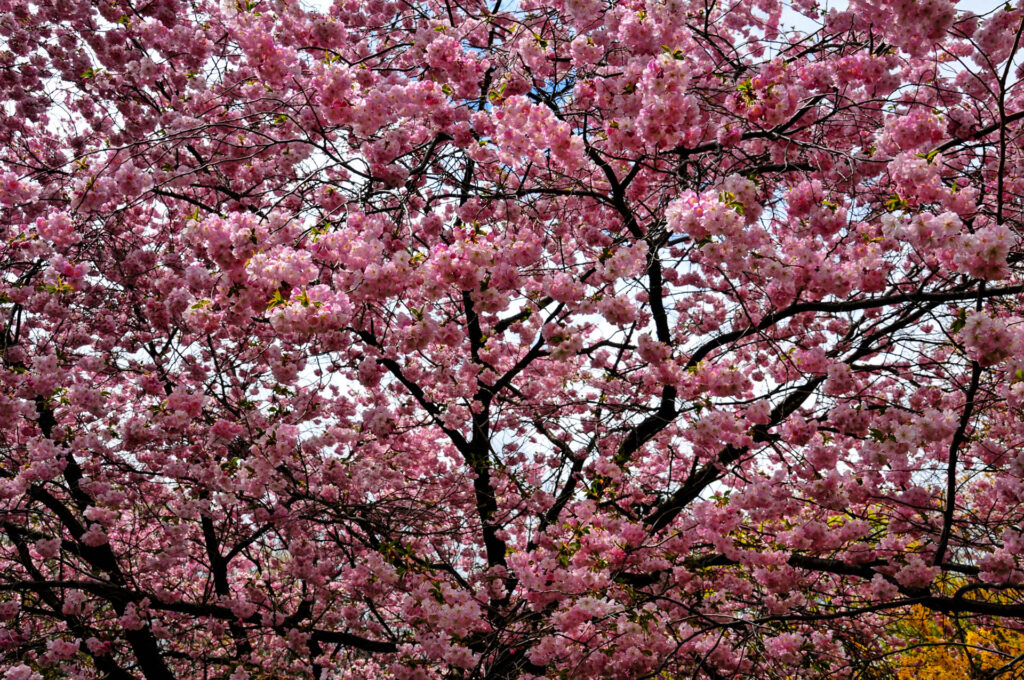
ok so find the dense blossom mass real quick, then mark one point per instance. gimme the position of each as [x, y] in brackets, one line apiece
[423, 339]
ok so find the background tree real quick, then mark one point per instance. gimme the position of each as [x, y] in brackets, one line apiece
[508, 339]
[958, 648]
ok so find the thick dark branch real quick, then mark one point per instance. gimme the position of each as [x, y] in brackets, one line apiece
[121, 596]
[219, 571]
[187, 199]
[418, 394]
[101, 558]
[755, 134]
[847, 306]
[987, 130]
[714, 470]
[650, 426]
[959, 437]
[104, 663]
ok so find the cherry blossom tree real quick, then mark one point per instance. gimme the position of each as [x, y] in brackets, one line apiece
[494, 339]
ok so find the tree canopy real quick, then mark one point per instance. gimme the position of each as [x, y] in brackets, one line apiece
[493, 339]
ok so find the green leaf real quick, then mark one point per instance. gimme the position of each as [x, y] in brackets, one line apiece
[880, 436]
[895, 203]
[960, 322]
[276, 301]
[495, 95]
[676, 54]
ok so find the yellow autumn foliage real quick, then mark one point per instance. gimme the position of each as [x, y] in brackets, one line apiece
[941, 648]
